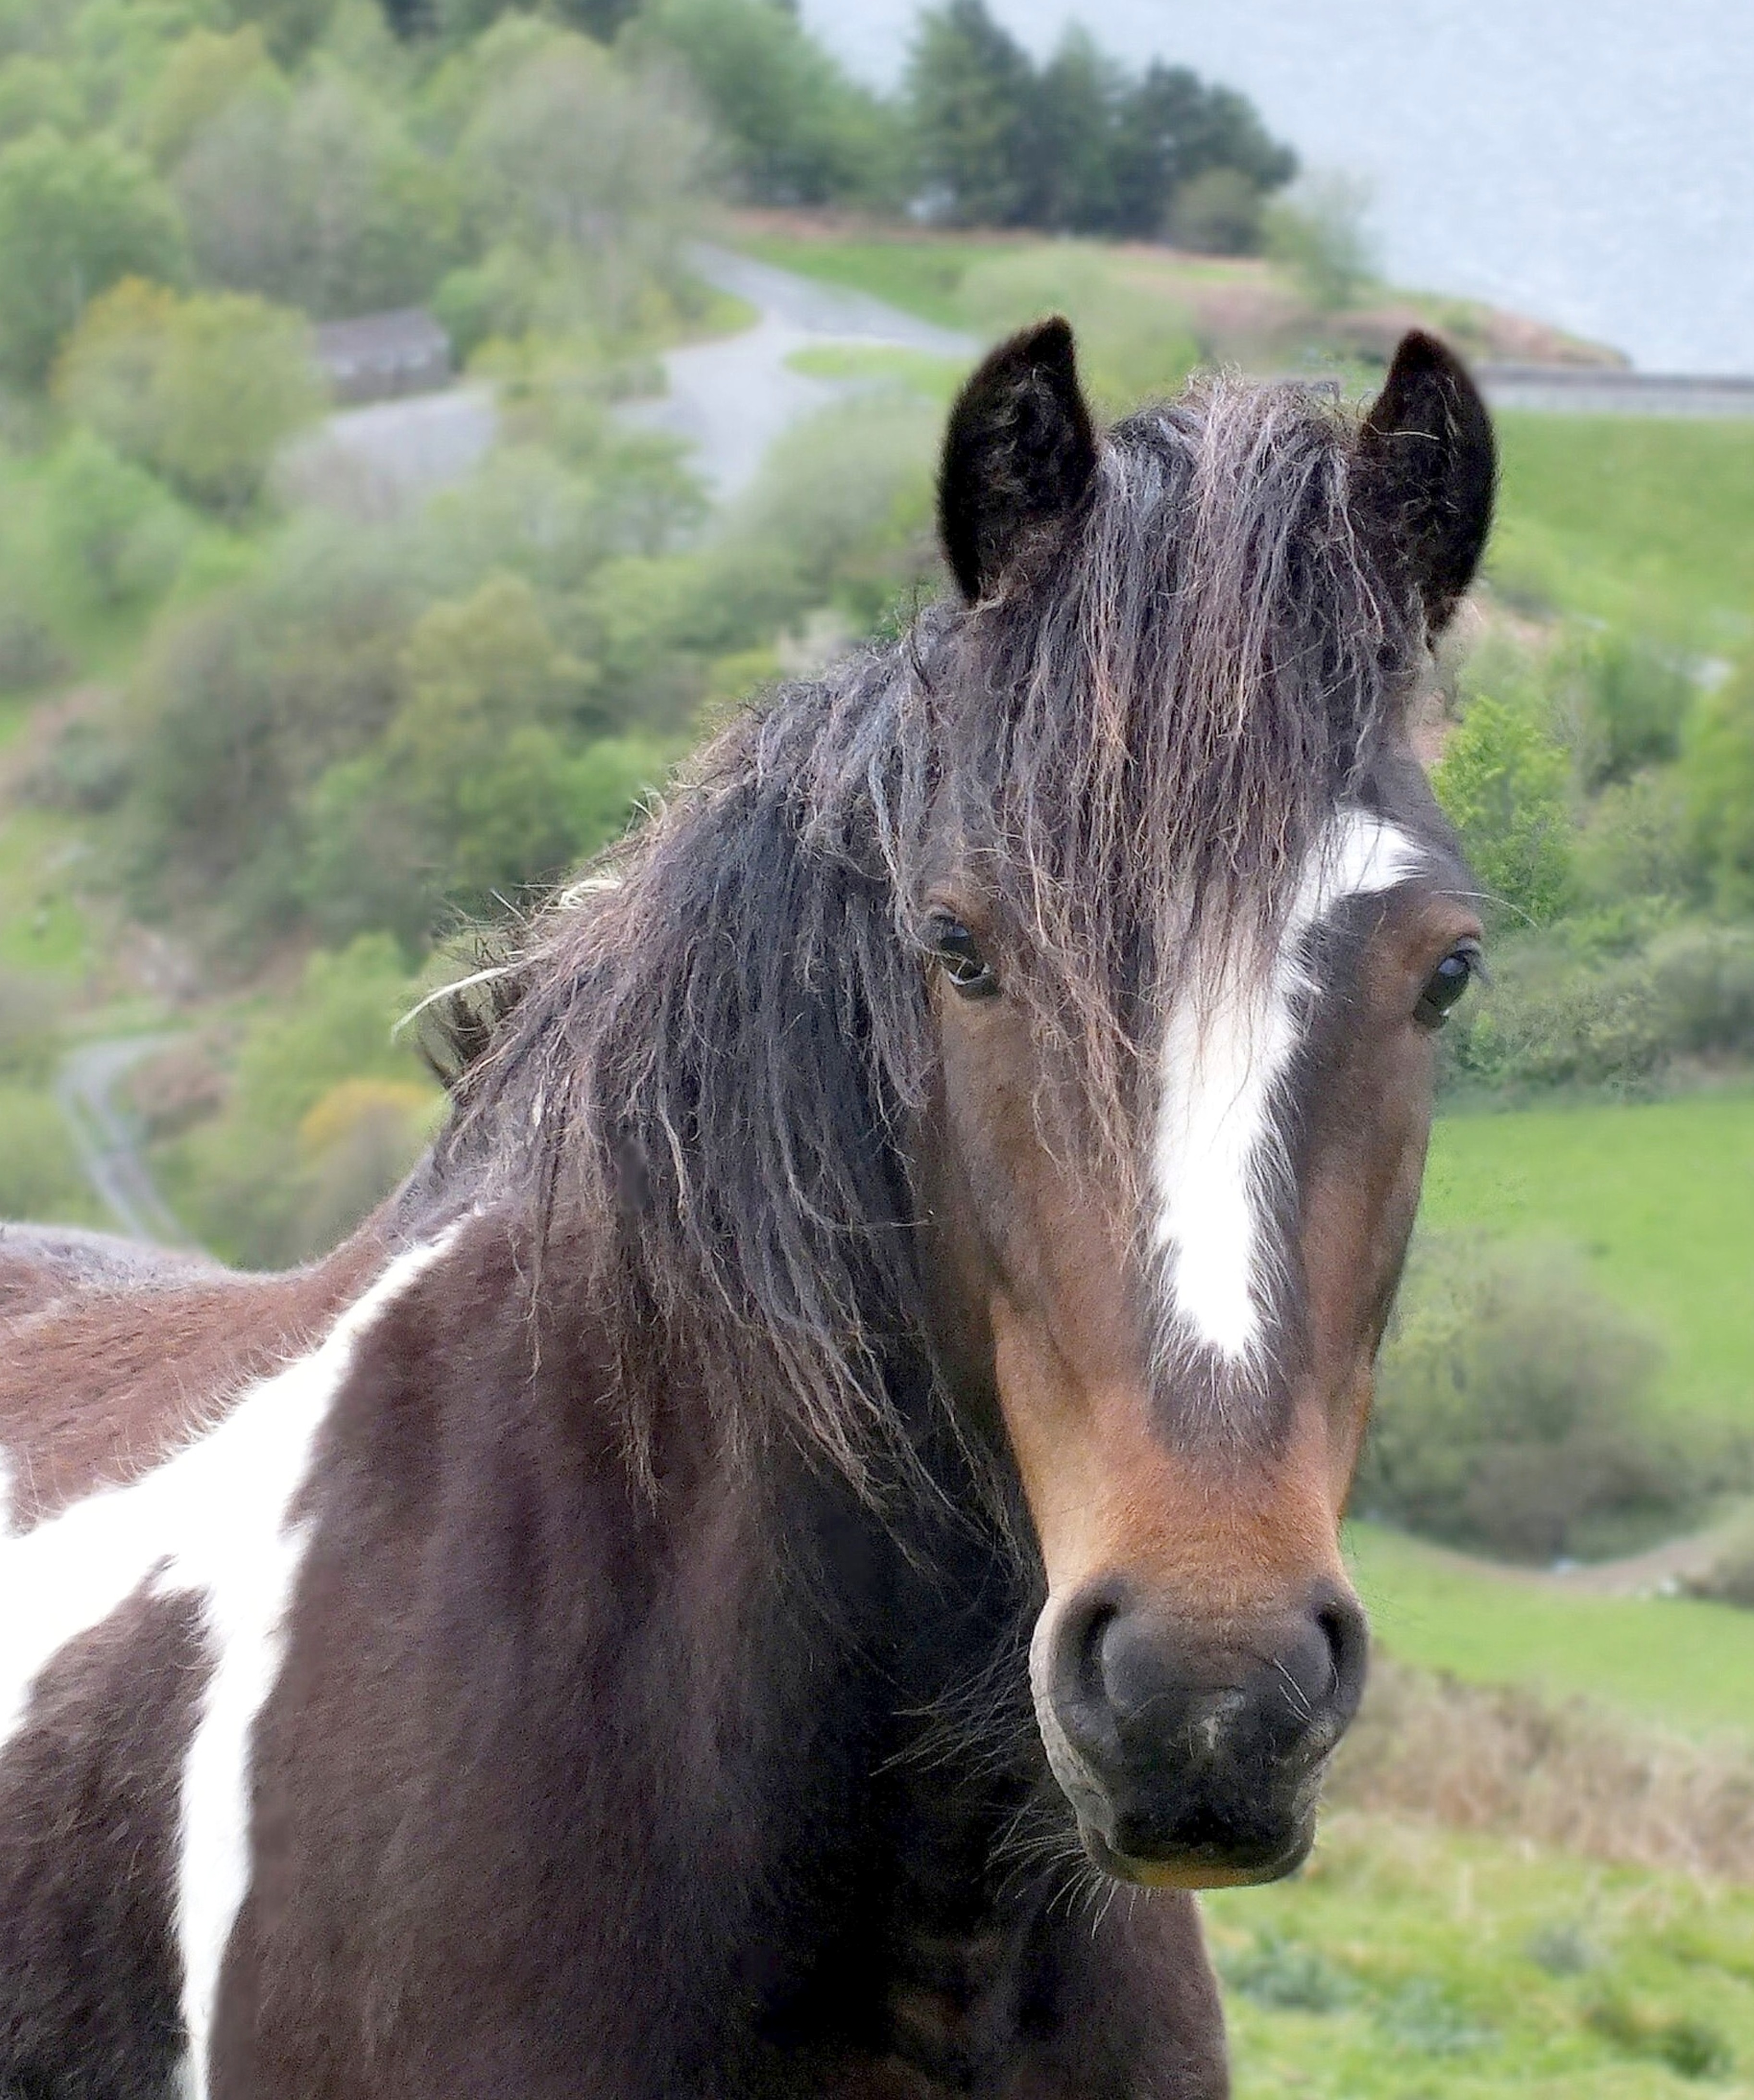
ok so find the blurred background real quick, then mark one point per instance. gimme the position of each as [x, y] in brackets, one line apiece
[419, 420]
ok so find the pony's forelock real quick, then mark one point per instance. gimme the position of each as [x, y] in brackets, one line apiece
[713, 1059]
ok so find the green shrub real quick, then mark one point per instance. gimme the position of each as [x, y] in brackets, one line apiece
[1636, 840]
[39, 1170]
[1504, 783]
[1704, 979]
[327, 1111]
[1624, 701]
[1717, 770]
[1320, 236]
[1219, 213]
[1508, 1415]
[115, 535]
[205, 390]
[1549, 1018]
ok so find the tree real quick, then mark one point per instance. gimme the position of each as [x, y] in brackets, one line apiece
[1079, 99]
[1503, 782]
[572, 157]
[972, 92]
[76, 215]
[316, 196]
[797, 130]
[205, 390]
[113, 532]
[236, 379]
[206, 71]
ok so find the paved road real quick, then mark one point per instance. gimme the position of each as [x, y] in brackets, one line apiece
[104, 1136]
[730, 398]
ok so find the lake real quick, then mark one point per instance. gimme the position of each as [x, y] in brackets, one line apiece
[1590, 161]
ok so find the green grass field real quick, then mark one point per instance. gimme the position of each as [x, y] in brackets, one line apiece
[1685, 1666]
[1406, 1962]
[1660, 1198]
[923, 277]
[1642, 521]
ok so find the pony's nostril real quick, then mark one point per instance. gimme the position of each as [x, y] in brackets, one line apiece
[1346, 1634]
[1080, 1686]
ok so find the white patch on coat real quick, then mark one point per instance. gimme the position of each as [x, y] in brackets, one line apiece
[1219, 1164]
[213, 1521]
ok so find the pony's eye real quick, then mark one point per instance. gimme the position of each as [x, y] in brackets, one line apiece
[959, 954]
[1447, 983]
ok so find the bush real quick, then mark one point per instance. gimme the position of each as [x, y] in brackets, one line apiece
[326, 1113]
[1624, 701]
[205, 390]
[1219, 212]
[1321, 238]
[1717, 772]
[1504, 783]
[113, 534]
[1636, 840]
[39, 1171]
[1704, 979]
[1550, 1018]
[1508, 1415]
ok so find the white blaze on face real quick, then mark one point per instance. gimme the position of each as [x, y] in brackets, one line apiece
[1218, 1163]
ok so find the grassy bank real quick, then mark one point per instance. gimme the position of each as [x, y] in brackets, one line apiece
[1640, 520]
[1407, 1962]
[1659, 1196]
[1667, 1661]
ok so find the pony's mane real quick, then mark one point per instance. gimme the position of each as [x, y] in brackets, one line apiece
[709, 1059]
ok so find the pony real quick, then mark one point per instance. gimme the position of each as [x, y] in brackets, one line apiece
[830, 1471]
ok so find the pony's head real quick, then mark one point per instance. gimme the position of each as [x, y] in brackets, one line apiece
[1038, 1018]
[1194, 920]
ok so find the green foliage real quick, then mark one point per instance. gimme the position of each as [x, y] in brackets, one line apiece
[1503, 782]
[39, 1172]
[1636, 840]
[1717, 771]
[1659, 1195]
[1552, 1017]
[76, 215]
[1219, 212]
[205, 389]
[110, 529]
[205, 73]
[1624, 701]
[574, 159]
[35, 93]
[1639, 521]
[314, 195]
[1321, 238]
[1508, 1408]
[1079, 145]
[797, 130]
[326, 1113]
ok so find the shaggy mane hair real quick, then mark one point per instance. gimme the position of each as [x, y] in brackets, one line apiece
[709, 1060]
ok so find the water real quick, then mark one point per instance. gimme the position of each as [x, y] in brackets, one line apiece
[1588, 162]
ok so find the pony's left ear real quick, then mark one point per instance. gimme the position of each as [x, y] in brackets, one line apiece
[1427, 468]
[1018, 455]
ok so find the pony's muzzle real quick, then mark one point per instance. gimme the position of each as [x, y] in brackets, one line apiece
[1196, 1761]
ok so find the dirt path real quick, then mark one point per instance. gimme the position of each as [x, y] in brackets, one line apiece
[104, 1136]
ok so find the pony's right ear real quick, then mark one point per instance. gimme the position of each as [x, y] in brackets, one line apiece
[1018, 455]
[1427, 471]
